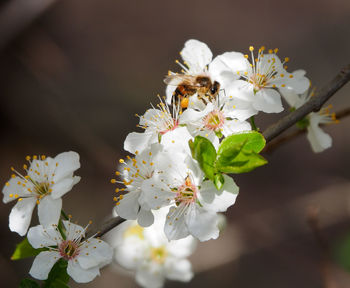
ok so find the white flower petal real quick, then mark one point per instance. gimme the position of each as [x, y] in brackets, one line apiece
[68, 162]
[43, 263]
[94, 252]
[21, 214]
[63, 186]
[40, 237]
[138, 141]
[145, 218]
[175, 225]
[49, 210]
[73, 231]
[155, 193]
[81, 275]
[149, 276]
[177, 140]
[179, 269]
[202, 224]
[197, 55]
[235, 126]
[223, 199]
[129, 206]
[12, 188]
[268, 101]
[169, 92]
[319, 140]
[183, 247]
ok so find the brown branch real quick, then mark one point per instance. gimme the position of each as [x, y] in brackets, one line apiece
[271, 132]
[106, 227]
[281, 140]
[314, 104]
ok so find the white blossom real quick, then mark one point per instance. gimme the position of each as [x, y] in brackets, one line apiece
[194, 203]
[260, 80]
[85, 257]
[47, 180]
[216, 120]
[161, 125]
[149, 254]
[318, 139]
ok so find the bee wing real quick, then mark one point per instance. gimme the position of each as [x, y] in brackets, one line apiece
[176, 80]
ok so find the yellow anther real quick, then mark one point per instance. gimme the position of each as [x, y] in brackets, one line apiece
[90, 222]
[115, 199]
[25, 167]
[35, 157]
[117, 203]
[275, 50]
[150, 153]
[11, 195]
[251, 48]
[286, 59]
[117, 190]
[56, 164]
[16, 196]
[37, 201]
[285, 67]
[28, 158]
[128, 157]
[144, 162]
[151, 163]
[282, 75]
[283, 85]
[262, 48]
[70, 216]
[113, 181]
[12, 169]
[270, 51]
[13, 176]
[291, 76]
[245, 73]
[43, 157]
[121, 160]
[121, 197]
[20, 199]
[273, 86]
[246, 56]
[26, 177]
[29, 190]
[117, 173]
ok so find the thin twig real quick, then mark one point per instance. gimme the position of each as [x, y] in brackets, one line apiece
[314, 104]
[281, 140]
[271, 132]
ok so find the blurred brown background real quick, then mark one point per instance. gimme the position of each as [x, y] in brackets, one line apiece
[74, 73]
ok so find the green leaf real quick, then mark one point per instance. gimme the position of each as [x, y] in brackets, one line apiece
[25, 250]
[204, 152]
[28, 283]
[219, 181]
[58, 277]
[238, 153]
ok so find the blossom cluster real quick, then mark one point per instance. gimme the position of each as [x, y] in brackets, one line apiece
[210, 98]
[148, 254]
[46, 181]
[175, 182]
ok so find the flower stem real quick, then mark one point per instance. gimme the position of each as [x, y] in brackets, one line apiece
[60, 228]
[252, 121]
[64, 215]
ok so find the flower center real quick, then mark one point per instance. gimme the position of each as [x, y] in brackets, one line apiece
[159, 254]
[186, 193]
[69, 249]
[42, 189]
[214, 120]
[170, 126]
[259, 81]
[135, 230]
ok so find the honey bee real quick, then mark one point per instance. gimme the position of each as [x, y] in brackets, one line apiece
[188, 85]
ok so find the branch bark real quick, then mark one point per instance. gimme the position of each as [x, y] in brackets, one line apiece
[313, 105]
[274, 130]
[281, 140]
